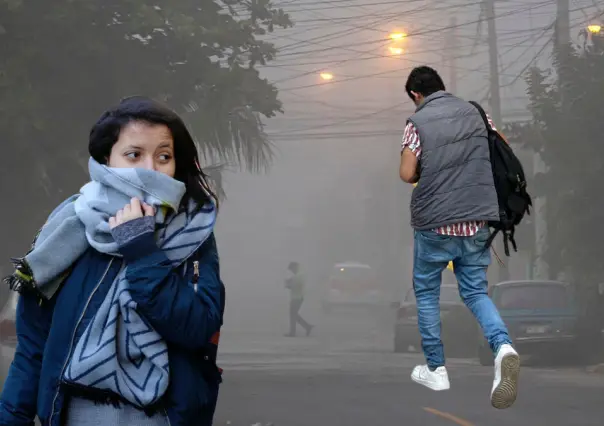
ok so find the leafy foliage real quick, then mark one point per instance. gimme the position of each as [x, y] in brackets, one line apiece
[63, 62]
[567, 131]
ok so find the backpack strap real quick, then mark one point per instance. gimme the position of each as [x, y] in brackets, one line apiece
[483, 114]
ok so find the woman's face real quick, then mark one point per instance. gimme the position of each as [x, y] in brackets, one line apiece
[146, 146]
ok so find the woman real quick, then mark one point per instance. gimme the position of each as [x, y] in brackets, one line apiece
[121, 300]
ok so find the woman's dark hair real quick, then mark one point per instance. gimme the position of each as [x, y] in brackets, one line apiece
[105, 133]
[425, 81]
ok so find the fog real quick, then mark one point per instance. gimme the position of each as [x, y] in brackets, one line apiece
[319, 182]
[335, 170]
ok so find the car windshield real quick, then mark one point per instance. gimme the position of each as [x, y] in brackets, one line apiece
[533, 296]
[351, 273]
[447, 294]
[352, 278]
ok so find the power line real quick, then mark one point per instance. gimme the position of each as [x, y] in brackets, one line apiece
[406, 58]
[376, 74]
[340, 7]
[369, 27]
[373, 56]
[424, 32]
[358, 117]
[336, 135]
[296, 132]
[534, 58]
[337, 34]
[311, 3]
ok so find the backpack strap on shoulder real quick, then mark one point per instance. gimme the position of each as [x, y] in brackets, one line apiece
[483, 114]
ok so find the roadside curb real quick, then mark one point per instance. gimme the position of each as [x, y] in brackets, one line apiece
[597, 369]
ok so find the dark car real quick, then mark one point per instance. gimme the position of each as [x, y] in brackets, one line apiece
[456, 323]
[8, 335]
[541, 316]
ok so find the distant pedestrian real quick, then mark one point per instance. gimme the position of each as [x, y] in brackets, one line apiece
[295, 283]
[445, 150]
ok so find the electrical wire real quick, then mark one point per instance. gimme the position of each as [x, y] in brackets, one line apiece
[296, 133]
[405, 58]
[338, 34]
[335, 135]
[389, 71]
[424, 32]
[358, 117]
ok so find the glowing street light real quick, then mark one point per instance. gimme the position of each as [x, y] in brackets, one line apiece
[396, 51]
[327, 76]
[594, 28]
[397, 36]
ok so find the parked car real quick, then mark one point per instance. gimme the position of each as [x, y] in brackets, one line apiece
[353, 285]
[457, 323]
[8, 335]
[540, 316]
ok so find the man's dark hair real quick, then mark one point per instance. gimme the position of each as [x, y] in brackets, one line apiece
[425, 81]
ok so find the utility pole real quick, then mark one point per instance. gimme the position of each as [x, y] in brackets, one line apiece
[562, 43]
[495, 97]
[453, 55]
[454, 51]
[541, 226]
[449, 56]
[563, 23]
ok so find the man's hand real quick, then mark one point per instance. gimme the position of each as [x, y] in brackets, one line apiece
[133, 210]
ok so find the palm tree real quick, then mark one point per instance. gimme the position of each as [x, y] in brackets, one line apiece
[64, 62]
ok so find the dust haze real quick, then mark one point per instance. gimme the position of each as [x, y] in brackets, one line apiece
[319, 183]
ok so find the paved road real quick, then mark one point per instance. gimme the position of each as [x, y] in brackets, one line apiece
[352, 380]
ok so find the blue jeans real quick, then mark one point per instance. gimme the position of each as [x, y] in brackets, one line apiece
[432, 253]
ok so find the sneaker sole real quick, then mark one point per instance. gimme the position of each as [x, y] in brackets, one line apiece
[429, 385]
[506, 392]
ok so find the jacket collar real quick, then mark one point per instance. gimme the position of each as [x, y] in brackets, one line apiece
[430, 98]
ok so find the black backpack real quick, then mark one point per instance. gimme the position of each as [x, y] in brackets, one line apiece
[510, 183]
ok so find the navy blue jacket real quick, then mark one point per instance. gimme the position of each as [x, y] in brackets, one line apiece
[187, 319]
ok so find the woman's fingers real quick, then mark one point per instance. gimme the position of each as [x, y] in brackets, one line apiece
[133, 210]
[148, 210]
[135, 206]
[119, 217]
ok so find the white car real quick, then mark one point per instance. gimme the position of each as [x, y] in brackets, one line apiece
[352, 284]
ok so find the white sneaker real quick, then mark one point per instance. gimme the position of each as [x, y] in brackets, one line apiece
[505, 385]
[436, 380]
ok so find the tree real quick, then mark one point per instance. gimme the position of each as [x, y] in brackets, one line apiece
[567, 132]
[63, 62]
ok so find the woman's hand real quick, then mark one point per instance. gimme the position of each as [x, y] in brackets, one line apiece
[133, 210]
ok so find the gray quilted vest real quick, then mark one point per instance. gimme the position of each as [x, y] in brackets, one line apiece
[456, 179]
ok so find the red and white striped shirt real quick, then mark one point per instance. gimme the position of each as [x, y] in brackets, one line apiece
[463, 229]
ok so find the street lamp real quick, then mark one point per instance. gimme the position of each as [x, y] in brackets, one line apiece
[396, 51]
[397, 36]
[327, 76]
[594, 28]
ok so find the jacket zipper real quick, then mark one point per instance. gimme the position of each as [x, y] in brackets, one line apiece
[195, 275]
[167, 417]
[52, 413]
